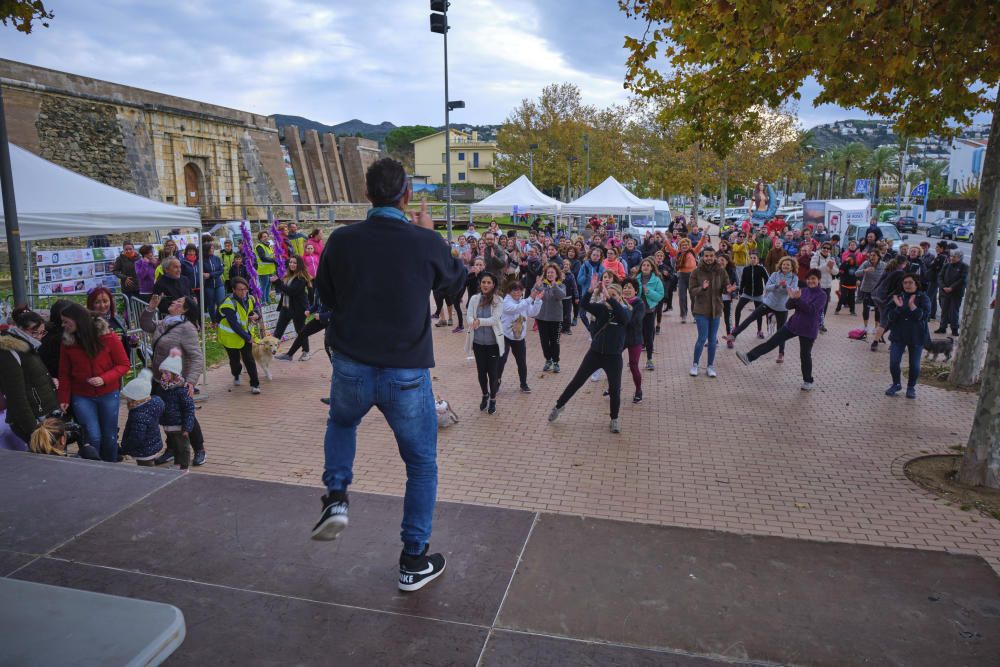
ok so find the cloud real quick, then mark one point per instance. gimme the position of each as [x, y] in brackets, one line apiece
[332, 61]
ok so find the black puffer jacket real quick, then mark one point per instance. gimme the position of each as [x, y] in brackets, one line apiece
[633, 330]
[608, 327]
[25, 382]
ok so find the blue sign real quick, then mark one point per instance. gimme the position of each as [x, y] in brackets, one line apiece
[862, 186]
[919, 191]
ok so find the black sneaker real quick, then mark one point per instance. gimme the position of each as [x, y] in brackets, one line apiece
[166, 458]
[415, 572]
[485, 402]
[324, 400]
[492, 408]
[637, 398]
[199, 458]
[334, 517]
[525, 389]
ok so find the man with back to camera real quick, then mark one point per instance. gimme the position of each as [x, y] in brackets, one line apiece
[380, 330]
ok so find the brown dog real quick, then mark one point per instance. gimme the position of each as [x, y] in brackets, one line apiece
[263, 353]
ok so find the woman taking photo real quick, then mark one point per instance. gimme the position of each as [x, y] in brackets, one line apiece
[485, 338]
[651, 292]
[550, 317]
[179, 329]
[293, 303]
[24, 381]
[906, 320]
[91, 365]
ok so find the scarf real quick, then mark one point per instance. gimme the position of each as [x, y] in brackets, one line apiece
[26, 337]
[131, 254]
[173, 319]
[178, 381]
[387, 212]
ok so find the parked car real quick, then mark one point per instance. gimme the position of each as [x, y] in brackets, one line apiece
[906, 223]
[965, 231]
[857, 232]
[944, 229]
[732, 215]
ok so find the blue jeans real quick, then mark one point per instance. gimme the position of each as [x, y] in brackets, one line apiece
[265, 289]
[214, 296]
[708, 330]
[896, 350]
[406, 399]
[99, 416]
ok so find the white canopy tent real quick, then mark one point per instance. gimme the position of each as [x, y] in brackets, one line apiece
[608, 198]
[521, 195]
[54, 202]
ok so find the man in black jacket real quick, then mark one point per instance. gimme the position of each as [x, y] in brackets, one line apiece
[953, 280]
[380, 331]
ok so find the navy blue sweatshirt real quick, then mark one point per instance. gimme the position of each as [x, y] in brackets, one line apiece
[380, 311]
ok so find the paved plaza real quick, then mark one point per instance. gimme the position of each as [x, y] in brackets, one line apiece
[747, 452]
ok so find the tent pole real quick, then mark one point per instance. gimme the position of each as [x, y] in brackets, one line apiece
[10, 215]
[31, 283]
[201, 306]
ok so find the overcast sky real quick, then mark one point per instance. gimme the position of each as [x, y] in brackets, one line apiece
[334, 60]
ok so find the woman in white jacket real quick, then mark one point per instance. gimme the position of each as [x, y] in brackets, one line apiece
[485, 338]
[826, 262]
[514, 322]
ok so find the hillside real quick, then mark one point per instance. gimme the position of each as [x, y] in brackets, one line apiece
[367, 130]
[871, 133]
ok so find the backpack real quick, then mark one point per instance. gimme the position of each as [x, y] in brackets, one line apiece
[857, 334]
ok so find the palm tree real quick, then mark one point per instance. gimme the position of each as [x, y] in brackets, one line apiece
[834, 161]
[879, 163]
[853, 154]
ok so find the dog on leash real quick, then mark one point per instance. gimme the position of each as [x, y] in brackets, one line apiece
[941, 346]
[263, 353]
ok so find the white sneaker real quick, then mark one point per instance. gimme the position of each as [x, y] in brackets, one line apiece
[306, 356]
[807, 386]
[596, 375]
[236, 382]
[711, 372]
[694, 371]
[254, 390]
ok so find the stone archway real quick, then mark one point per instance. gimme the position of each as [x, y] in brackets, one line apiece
[194, 185]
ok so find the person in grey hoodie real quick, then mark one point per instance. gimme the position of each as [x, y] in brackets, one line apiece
[550, 317]
[784, 280]
[870, 273]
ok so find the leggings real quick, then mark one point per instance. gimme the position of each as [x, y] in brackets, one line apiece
[488, 367]
[758, 315]
[519, 350]
[548, 333]
[659, 312]
[727, 315]
[648, 332]
[244, 354]
[682, 293]
[744, 300]
[868, 307]
[438, 303]
[576, 309]
[778, 340]
[611, 364]
[567, 315]
[286, 315]
[669, 287]
[846, 300]
[302, 340]
[456, 304]
[634, 354]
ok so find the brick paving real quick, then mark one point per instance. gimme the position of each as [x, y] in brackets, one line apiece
[747, 452]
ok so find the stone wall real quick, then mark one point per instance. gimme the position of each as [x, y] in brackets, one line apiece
[357, 154]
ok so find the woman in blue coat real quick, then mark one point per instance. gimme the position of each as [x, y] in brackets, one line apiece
[651, 292]
[906, 322]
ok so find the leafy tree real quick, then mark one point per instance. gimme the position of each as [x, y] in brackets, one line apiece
[398, 143]
[24, 14]
[878, 164]
[930, 66]
[853, 155]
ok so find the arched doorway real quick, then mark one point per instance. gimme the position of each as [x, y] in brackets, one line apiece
[193, 184]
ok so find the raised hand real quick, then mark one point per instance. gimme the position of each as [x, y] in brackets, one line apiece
[423, 218]
[898, 300]
[704, 284]
[913, 302]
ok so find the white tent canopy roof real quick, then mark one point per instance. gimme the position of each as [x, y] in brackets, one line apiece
[848, 204]
[54, 202]
[608, 198]
[523, 194]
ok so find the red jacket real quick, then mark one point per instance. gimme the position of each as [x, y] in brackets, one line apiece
[75, 368]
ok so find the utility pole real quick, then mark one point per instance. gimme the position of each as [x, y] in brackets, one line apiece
[586, 149]
[439, 24]
[531, 161]
[569, 175]
[10, 215]
[902, 174]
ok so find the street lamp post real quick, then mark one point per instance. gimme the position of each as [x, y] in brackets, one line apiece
[439, 24]
[586, 149]
[569, 175]
[17, 276]
[531, 161]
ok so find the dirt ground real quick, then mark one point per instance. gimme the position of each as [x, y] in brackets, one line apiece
[937, 475]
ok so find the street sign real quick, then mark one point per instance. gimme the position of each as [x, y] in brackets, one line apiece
[919, 191]
[862, 186]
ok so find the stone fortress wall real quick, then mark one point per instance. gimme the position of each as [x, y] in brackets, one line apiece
[177, 150]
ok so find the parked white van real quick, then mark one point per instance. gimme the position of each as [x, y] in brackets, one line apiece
[660, 222]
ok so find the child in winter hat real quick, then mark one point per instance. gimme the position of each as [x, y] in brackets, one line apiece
[178, 408]
[141, 438]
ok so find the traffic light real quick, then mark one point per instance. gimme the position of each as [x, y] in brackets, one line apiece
[439, 19]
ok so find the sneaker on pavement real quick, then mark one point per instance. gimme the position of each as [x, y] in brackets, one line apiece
[305, 356]
[744, 359]
[254, 390]
[760, 334]
[415, 572]
[616, 425]
[547, 367]
[333, 520]
[780, 359]
[236, 381]
[710, 372]
[325, 400]
[441, 323]
[596, 375]
[893, 390]
[199, 458]
[657, 329]
[649, 365]
[694, 371]
[911, 392]
[807, 386]
[637, 398]
[525, 389]
[166, 457]
[284, 356]
[556, 411]
[458, 329]
[492, 409]
[555, 367]
[822, 328]
[729, 343]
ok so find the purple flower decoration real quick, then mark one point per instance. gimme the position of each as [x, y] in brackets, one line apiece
[280, 255]
[250, 262]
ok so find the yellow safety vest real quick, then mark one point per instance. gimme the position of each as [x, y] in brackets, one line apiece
[264, 268]
[227, 337]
